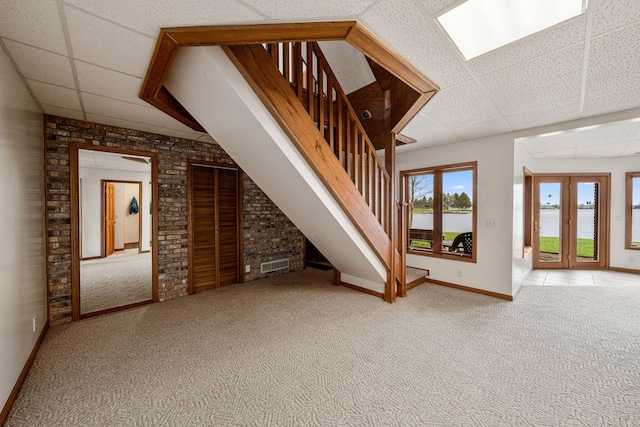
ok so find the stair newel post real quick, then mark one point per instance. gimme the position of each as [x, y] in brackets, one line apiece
[390, 211]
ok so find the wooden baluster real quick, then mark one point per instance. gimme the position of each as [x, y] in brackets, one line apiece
[320, 96]
[310, 85]
[378, 194]
[286, 62]
[340, 127]
[331, 121]
[297, 53]
[347, 145]
[363, 170]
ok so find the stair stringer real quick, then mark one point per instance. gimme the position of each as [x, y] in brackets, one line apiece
[210, 87]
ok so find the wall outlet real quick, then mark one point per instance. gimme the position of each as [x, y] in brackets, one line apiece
[35, 324]
[492, 223]
[247, 268]
[459, 273]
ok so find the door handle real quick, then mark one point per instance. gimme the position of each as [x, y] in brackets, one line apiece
[535, 227]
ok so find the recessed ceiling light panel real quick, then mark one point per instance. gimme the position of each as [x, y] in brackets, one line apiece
[479, 26]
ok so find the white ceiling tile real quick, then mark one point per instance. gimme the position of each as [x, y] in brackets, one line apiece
[608, 134]
[612, 14]
[608, 150]
[531, 119]
[415, 36]
[41, 65]
[348, 64]
[33, 22]
[100, 105]
[541, 83]
[112, 84]
[482, 129]
[614, 62]
[632, 149]
[408, 147]
[103, 43]
[144, 127]
[541, 43]
[55, 95]
[613, 102]
[463, 104]
[148, 16]
[435, 6]
[63, 112]
[427, 132]
[296, 9]
[565, 153]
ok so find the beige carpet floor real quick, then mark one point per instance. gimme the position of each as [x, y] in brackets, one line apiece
[294, 350]
[115, 281]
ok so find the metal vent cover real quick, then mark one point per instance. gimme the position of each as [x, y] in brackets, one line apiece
[279, 264]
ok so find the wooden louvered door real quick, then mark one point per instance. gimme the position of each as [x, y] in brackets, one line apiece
[214, 256]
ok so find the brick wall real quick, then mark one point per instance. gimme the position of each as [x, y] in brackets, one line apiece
[268, 234]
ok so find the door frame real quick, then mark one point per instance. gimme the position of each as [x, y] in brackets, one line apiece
[75, 224]
[569, 231]
[190, 217]
[103, 183]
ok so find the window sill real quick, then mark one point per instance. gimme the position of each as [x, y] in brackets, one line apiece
[444, 255]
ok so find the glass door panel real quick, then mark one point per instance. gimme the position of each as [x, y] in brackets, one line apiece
[587, 227]
[548, 225]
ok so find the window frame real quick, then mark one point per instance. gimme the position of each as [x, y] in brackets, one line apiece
[436, 251]
[628, 244]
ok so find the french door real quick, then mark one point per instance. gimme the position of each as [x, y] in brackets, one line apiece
[570, 221]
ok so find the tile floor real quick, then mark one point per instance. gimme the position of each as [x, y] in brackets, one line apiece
[581, 278]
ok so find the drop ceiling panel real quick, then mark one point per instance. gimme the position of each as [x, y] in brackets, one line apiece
[559, 36]
[112, 84]
[405, 27]
[100, 105]
[619, 101]
[348, 64]
[621, 132]
[482, 129]
[427, 132]
[612, 14]
[296, 9]
[55, 95]
[614, 62]
[148, 16]
[41, 65]
[62, 112]
[562, 113]
[127, 124]
[460, 105]
[434, 6]
[565, 153]
[101, 160]
[33, 22]
[541, 83]
[609, 150]
[103, 43]
[632, 149]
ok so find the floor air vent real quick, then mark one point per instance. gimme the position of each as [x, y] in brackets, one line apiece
[279, 264]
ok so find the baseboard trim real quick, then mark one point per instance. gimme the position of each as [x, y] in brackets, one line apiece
[365, 290]
[114, 309]
[624, 270]
[416, 282]
[25, 370]
[469, 289]
[89, 258]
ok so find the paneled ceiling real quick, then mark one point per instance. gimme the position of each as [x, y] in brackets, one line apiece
[85, 59]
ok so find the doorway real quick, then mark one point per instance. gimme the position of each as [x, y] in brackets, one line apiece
[570, 221]
[215, 232]
[124, 218]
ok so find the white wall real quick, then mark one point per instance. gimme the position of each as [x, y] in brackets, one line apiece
[131, 221]
[92, 207]
[492, 271]
[23, 295]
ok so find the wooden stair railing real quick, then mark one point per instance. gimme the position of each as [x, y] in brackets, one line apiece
[308, 73]
[309, 104]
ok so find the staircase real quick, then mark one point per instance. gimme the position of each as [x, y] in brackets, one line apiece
[279, 112]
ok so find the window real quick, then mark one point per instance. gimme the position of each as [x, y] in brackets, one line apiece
[441, 211]
[633, 211]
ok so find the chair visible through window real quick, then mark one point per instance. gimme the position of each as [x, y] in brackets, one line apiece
[464, 242]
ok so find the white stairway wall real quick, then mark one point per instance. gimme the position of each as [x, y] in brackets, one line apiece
[209, 86]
